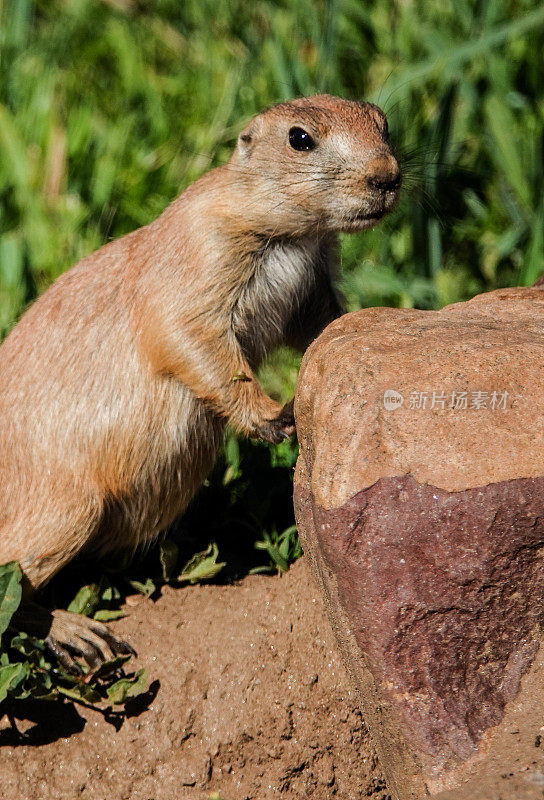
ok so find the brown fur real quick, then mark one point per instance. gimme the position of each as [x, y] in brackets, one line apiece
[116, 384]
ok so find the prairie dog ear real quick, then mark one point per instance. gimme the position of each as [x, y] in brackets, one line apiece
[248, 137]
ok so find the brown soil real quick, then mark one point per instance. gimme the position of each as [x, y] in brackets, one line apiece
[251, 702]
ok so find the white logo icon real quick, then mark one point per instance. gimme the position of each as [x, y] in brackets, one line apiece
[392, 399]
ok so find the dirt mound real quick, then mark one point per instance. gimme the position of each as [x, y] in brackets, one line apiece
[252, 702]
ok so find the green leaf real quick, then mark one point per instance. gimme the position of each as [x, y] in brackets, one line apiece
[533, 266]
[11, 262]
[10, 592]
[82, 692]
[124, 688]
[202, 566]
[106, 615]
[10, 676]
[109, 592]
[13, 147]
[32, 648]
[110, 666]
[276, 556]
[231, 450]
[283, 548]
[502, 124]
[86, 600]
[168, 556]
[146, 588]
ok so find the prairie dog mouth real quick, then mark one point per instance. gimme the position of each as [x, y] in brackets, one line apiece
[376, 214]
[370, 215]
[362, 220]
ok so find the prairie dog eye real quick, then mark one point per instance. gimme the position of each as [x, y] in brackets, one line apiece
[299, 139]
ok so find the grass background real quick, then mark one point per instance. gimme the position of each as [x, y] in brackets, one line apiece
[108, 109]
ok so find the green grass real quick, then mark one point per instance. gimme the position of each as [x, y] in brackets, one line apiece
[109, 109]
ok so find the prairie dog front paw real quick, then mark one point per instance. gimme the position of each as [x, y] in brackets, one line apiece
[280, 427]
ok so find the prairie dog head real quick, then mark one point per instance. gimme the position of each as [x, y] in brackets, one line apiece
[317, 164]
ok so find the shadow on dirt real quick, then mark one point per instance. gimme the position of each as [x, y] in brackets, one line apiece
[41, 722]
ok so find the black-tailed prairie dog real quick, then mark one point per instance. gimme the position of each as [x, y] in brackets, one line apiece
[117, 383]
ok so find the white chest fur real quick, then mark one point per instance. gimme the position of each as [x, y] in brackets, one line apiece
[284, 274]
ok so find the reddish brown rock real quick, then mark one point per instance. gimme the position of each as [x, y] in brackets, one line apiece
[424, 522]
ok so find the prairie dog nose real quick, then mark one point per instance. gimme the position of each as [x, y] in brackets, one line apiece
[383, 173]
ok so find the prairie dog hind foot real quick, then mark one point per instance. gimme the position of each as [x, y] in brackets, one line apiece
[69, 636]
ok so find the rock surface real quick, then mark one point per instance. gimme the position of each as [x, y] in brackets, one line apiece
[420, 500]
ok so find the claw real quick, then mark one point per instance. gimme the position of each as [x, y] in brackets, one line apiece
[117, 646]
[63, 656]
[281, 427]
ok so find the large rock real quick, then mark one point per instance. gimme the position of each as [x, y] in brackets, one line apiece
[419, 495]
